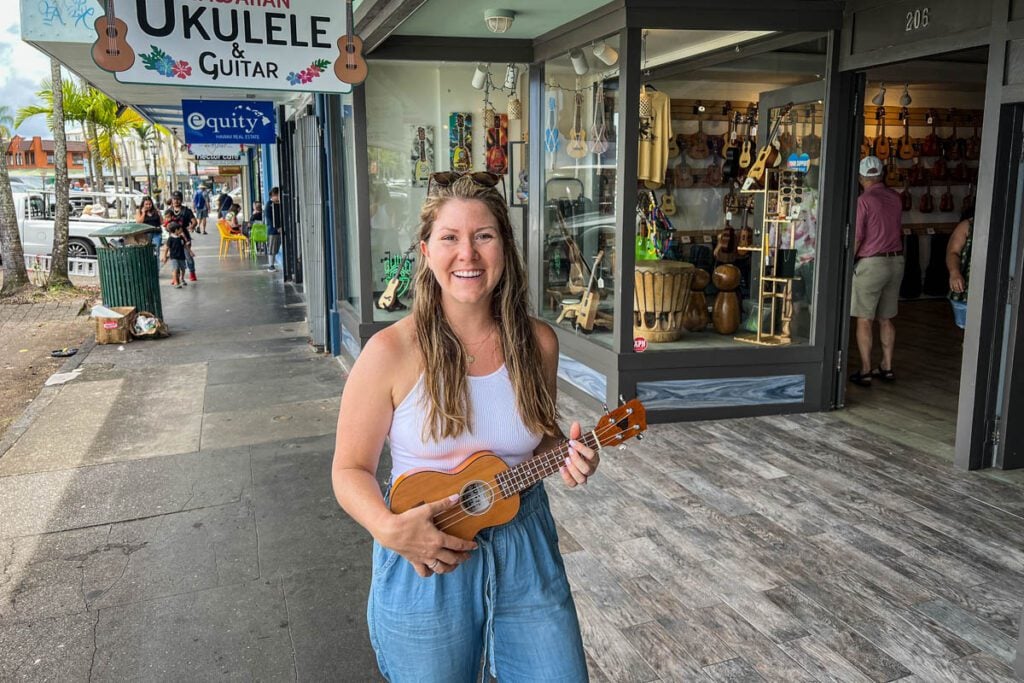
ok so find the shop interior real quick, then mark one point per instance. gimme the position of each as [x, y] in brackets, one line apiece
[923, 118]
[724, 257]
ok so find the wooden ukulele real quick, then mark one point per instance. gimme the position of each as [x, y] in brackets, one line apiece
[590, 299]
[811, 144]
[577, 147]
[893, 176]
[931, 146]
[730, 167]
[460, 155]
[927, 202]
[421, 174]
[906, 199]
[673, 147]
[668, 200]
[907, 147]
[881, 145]
[598, 130]
[973, 148]
[746, 157]
[489, 489]
[698, 147]
[946, 202]
[350, 67]
[388, 299]
[955, 145]
[111, 51]
[769, 154]
[497, 140]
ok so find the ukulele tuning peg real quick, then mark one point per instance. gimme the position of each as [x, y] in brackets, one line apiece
[622, 401]
[639, 437]
[605, 406]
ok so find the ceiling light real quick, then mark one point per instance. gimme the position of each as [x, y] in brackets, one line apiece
[905, 98]
[579, 61]
[606, 53]
[879, 99]
[499, 20]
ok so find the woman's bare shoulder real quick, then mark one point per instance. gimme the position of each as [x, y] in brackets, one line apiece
[547, 340]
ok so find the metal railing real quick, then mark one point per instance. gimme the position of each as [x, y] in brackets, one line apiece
[40, 263]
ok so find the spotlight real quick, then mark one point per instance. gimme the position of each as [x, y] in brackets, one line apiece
[606, 53]
[579, 61]
[879, 99]
[480, 76]
[499, 20]
[511, 76]
[905, 98]
[120, 110]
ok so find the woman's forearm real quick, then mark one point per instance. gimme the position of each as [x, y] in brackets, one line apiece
[358, 493]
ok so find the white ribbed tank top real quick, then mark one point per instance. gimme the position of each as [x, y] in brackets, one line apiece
[494, 418]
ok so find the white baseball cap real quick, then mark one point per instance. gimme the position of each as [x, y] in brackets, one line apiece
[871, 167]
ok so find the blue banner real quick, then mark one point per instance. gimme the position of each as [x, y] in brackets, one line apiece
[248, 122]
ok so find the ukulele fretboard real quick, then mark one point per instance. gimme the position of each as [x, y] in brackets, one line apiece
[526, 474]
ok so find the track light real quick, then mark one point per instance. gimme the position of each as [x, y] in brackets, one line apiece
[606, 53]
[579, 61]
[905, 98]
[879, 99]
[480, 76]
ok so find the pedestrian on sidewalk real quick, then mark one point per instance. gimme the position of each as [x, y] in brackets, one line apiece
[275, 224]
[175, 251]
[149, 215]
[224, 202]
[201, 206]
[184, 215]
[469, 370]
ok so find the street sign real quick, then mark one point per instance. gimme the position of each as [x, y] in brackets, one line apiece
[228, 121]
[266, 45]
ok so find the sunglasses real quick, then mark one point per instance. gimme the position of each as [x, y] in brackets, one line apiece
[481, 178]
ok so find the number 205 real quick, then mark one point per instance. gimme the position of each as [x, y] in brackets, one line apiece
[917, 19]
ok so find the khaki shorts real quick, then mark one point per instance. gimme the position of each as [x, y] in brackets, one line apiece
[876, 287]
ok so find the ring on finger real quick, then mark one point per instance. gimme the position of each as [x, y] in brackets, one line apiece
[433, 565]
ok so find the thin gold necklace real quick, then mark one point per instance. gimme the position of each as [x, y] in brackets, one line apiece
[470, 358]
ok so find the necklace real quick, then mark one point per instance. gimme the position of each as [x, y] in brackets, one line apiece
[471, 358]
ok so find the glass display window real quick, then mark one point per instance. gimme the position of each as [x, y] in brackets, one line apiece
[578, 148]
[425, 117]
[727, 202]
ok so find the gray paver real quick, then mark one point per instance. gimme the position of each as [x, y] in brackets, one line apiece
[47, 649]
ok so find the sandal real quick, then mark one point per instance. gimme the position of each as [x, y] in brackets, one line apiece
[887, 375]
[860, 379]
[63, 353]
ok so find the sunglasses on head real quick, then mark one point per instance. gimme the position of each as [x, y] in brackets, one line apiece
[481, 178]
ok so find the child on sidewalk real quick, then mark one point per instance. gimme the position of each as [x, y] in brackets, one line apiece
[175, 250]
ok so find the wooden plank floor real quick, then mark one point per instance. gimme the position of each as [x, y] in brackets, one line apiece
[919, 408]
[794, 548]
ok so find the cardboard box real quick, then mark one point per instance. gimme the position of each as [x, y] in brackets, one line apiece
[115, 330]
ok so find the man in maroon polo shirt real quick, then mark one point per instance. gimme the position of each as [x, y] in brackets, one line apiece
[878, 270]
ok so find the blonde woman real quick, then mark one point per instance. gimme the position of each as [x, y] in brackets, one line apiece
[469, 370]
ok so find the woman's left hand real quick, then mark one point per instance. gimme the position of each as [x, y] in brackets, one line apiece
[582, 461]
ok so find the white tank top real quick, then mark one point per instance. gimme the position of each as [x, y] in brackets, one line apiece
[496, 426]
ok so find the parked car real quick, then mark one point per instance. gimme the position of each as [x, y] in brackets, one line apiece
[34, 212]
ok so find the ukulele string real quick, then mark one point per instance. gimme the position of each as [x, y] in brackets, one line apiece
[447, 520]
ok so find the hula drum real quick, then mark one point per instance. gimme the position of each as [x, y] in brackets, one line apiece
[659, 298]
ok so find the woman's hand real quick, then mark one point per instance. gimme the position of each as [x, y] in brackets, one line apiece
[582, 461]
[429, 550]
[956, 282]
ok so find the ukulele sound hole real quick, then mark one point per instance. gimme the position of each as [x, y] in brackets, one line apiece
[476, 497]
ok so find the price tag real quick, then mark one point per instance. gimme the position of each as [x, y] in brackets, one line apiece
[600, 283]
[686, 239]
[728, 215]
[707, 239]
[930, 231]
[907, 231]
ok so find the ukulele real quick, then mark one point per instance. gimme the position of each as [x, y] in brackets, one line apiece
[590, 299]
[421, 174]
[769, 154]
[907, 148]
[668, 200]
[786, 139]
[698, 147]
[811, 144]
[730, 167]
[673, 147]
[551, 132]
[713, 175]
[940, 168]
[931, 146]
[954, 144]
[746, 157]
[906, 199]
[746, 237]
[388, 299]
[111, 51]
[946, 202]
[577, 147]
[497, 140]
[973, 147]
[892, 173]
[927, 202]
[968, 201]
[598, 131]
[350, 67]
[489, 489]
[460, 155]
[881, 145]
[682, 175]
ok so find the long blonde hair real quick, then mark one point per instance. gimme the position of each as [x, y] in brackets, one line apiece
[444, 356]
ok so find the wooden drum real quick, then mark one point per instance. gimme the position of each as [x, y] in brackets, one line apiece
[662, 290]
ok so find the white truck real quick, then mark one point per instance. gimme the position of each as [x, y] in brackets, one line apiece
[34, 211]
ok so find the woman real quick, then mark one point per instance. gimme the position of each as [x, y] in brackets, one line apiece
[958, 263]
[437, 606]
[149, 215]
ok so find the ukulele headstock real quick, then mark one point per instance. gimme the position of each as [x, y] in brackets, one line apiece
[622, 424]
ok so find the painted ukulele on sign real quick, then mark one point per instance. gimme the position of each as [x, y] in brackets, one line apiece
[111, 51]
[350, 67]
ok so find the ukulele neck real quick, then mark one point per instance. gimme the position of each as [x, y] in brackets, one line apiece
[521, 477]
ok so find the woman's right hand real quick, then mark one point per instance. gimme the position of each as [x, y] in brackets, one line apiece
[956, 283]
[413, 535]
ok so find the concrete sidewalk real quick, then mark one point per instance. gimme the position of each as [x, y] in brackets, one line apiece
[168, 515]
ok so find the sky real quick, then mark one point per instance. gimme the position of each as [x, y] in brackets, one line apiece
[22, 67]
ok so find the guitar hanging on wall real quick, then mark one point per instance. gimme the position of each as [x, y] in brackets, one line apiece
[350, 67]
[489, 489]
[399, 282]
[111, 51]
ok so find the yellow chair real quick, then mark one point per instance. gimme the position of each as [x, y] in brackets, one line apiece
[226, 238]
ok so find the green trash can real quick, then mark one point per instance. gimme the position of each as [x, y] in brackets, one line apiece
[129, 269]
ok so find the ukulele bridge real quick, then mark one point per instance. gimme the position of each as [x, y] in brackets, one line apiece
[476, 497]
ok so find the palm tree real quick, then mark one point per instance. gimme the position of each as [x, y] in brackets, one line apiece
[15, 273]
[147, 135]
[76, 100]
[59, 253]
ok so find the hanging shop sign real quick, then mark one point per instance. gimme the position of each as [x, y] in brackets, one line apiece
[295, 45]
[208, 152]
[228, 121]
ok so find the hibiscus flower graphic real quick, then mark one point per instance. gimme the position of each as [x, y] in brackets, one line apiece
[182, 69]
[293, 78]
